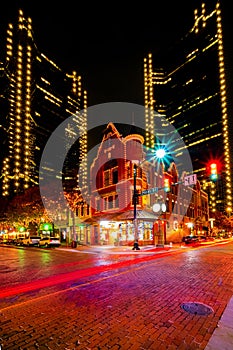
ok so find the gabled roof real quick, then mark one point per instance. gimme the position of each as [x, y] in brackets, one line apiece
[111, 132]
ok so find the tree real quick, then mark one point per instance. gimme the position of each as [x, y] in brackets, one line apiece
[25, 209]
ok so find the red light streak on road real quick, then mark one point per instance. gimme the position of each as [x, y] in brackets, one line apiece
[57, 279]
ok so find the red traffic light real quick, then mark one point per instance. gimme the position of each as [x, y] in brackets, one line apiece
[214, 170]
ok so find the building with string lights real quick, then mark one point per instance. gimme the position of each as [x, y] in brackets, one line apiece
[187, 86]
[162, 216]
[36, 96]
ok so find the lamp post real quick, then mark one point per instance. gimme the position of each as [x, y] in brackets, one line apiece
[160, 208]
[160, 153]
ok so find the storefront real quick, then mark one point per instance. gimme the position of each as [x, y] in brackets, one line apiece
[120, 229]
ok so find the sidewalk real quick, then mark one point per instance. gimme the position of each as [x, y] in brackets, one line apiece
[147, 249]
[111, 249]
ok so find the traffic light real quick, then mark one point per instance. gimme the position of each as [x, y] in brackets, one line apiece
[214, 171]
[166, 184]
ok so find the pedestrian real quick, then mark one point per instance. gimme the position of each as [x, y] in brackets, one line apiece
[135, 245]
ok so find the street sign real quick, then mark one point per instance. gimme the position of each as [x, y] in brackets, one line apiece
[190, 180]
[151, 190]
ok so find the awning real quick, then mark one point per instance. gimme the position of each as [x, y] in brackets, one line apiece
[105, 217]
[127, 215]
[90, 221]
[141, 214]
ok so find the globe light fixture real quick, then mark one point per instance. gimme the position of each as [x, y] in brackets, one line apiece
[159, 207]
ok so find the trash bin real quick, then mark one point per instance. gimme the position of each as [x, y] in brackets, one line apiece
[73, 244]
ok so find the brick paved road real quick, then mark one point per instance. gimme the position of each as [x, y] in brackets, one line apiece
[138, 307]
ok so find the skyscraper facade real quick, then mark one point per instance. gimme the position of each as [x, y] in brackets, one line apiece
[186, 84]
[36, 97]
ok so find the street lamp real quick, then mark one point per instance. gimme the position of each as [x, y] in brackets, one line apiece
[160, 208]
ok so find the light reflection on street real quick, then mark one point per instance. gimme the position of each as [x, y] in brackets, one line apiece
[41, 269]
[45, 259]
[21, 257]
[24, 270]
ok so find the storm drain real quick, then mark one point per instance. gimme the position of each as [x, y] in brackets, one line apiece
[197, 308]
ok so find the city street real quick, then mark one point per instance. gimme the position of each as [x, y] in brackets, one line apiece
[97, 300]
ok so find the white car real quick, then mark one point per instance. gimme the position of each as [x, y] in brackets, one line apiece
[31, 241]
[49, 242]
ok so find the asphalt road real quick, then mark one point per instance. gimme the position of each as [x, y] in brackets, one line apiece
[58, 299]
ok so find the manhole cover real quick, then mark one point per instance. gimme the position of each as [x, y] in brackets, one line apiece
[197, 308]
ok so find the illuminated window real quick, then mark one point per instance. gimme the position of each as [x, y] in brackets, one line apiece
[106, 178]
[111, 202]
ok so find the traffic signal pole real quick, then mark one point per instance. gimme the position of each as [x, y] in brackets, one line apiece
[188, 181]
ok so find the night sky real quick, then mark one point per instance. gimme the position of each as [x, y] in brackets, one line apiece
[106, 45]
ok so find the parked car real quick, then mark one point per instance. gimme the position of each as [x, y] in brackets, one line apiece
[49, 242]
[3, 240]
[11, 241]
[190, 239]
[204, 238]
[31, 241]
[19, 241]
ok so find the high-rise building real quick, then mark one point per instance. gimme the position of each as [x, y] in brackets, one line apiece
[36, 97]
[186, 84]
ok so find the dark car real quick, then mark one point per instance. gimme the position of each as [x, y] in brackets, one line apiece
[190, 239]
[206, 238]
